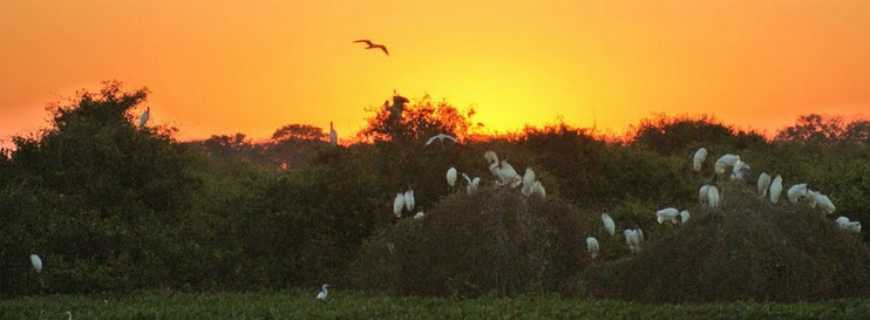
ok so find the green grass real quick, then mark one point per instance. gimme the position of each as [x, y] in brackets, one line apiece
[359, 305]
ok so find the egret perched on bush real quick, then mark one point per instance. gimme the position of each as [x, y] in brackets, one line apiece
[592, 247]
[713, 197]
[796, 192]
[419, 215]
[725, 161]
[702, 194]
[667, 214]
[409, 200]
[698, 159]
[509, 175]
[323, 292]
[399, 204]
[852, 226]
[633, 238]
[451, 176]
[740, 170]
[333, 136]
[775, 189]
[441, 137]
[36, 261]
[529, 180]
[143, 119]
[471, 184]
[684, 216]
[609, 224]
[824, 202]
[491, 157]
[763, 184]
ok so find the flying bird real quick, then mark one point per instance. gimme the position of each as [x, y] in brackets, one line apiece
[441, 137]
[372, 45]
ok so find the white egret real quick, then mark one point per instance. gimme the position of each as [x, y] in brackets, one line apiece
[509, 175]
[143, 119]
[633, 238]
[702, 194]
[419, 215]
[333, 136]
[667, 214]
[399, 204]
[441, 137]
[609, 224]
[763, 184]
[529, 179]
[36, 261]
[725, 161]
[491, 157]
[451, 176]
[698, 159]
[409, 200]
[825, 203]
[323, 292]
[796, 192]
[471, 184]
[852, 226]
[684, 216]
[713, 197]
[538, 189]
[592, 247]
[775, 189]
[740, 169]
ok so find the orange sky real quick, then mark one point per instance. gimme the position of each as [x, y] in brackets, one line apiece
[251, 66]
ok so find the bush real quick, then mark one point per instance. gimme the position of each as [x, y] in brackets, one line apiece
[747, 250]
[494, 241]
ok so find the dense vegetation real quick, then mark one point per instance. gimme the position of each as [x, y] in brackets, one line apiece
[348, 304]
[113, 207]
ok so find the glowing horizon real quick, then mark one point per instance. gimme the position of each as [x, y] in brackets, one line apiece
[222, 67]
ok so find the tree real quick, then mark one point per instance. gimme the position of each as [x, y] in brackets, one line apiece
[813, 128]
[298, 132]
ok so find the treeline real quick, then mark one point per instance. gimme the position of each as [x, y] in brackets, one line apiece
[111, 206]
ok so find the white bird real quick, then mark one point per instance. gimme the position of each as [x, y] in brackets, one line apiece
[702, 195]
[796, 192]
[451, 176]
[725, 161]
[538, 189]
[609, 224]
[852, 226]
[684, 216]
[529, 180]
[333, 136]
[68, 315]
[763, 184]
[738, 172]
[441, 137]
[509, 175]
[399, 204]
[471, 184]
[143, 119]
[36, 261]
[713, 197]
[825, 203]
[698, 159]
[633, 238]
[775, 189]
[419, 215]
[491, 157]
[667, 214]
[592, 247]
[323, 292]
[409, 200]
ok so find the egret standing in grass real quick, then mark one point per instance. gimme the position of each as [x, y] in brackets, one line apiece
[852, 226]
[667, 214]
[796, 192]
[713, 197]
[609, 224]
[592, 247]
[36, 261]
[702, 194]
[725, 161]
[399, 204]
[698, 159]
[323, 292]
[471, 184]
[775, 189]
[684, 216]
[409, 200]
[538, 189]
[529, 180]
[763, 184]
[451, 177]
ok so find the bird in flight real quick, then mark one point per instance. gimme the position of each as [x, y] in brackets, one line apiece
[372, 45]
[441, 137]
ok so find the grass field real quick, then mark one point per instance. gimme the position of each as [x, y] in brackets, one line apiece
[359, 305]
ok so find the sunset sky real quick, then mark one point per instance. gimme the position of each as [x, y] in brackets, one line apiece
[218, 67]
